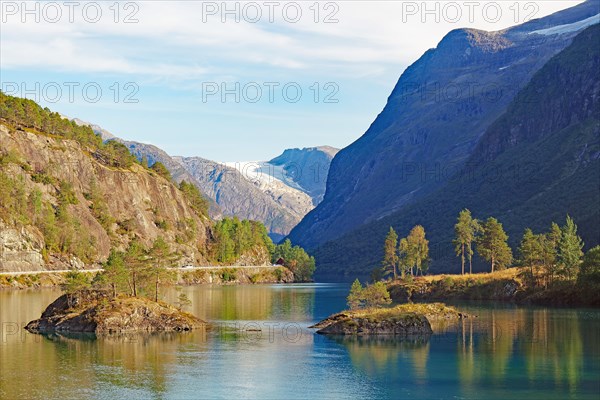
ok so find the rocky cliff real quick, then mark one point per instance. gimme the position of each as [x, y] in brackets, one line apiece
[153, 154]
[63, 207]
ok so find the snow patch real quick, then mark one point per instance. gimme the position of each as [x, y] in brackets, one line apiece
[274, 181]
[261, 173]
[575, 26]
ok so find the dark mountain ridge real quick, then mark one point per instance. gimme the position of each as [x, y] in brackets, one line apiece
[536, 163]
[434, 118]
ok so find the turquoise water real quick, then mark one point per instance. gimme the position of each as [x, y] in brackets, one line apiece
[260, 347]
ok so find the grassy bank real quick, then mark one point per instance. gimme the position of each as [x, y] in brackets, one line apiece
[41, 280]
[511, 285]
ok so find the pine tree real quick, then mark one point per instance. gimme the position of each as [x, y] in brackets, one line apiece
[376, 295]
[115, 273]
[159, 253]
[390, 255]
[465, 230]
[549, 246]
[531, 250]
[589, 271]
[570, 249]
[492, 245]
[183, 301]
[403, 260]
[75, 282]
[135, 258]
[354, 298]
[476, 230]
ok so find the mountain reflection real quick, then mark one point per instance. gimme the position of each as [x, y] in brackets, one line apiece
[525, 351]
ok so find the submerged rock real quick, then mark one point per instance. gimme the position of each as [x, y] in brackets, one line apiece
[97, 312]
[405, 320]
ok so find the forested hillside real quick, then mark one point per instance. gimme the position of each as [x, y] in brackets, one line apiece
[67, 199]
[536, 163]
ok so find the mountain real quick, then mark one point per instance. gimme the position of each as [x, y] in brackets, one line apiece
[154, 154]
[537, 162]
[433, 120]
[277, 193]
[66, 198]
[308, 168]
[238, 196]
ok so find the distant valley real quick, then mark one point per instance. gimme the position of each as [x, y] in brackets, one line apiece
[278, 192]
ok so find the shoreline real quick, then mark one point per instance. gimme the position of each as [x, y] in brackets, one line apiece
[213, 275]
[510, 286]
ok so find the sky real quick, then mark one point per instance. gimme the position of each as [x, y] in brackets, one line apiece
[230, 81]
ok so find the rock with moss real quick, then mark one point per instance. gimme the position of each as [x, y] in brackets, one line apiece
[402, 320]
[97, 312]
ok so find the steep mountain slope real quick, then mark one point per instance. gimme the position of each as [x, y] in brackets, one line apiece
[65, 204]
[152, 154]
[238, 196]
[155, 154]
[537, 162]
[278, 192]
[308, 168]
[435, 116]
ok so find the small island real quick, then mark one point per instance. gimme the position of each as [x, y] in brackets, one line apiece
[403, 320]
[369, 315]
[94, 311]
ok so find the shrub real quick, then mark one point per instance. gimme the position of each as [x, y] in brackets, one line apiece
[374, 295]
[228, 274]
[278, 274]
[161, 170]
[589, 271]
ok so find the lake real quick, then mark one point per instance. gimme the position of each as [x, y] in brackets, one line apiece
[260, 347]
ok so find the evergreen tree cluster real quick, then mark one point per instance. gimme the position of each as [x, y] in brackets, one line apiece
[296, 259]
[193, 195]
[235, 237]
[557, 252]
[138, 271]
[25, 113]
[374, 295]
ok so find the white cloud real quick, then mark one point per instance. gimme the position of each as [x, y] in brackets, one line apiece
[171, 41]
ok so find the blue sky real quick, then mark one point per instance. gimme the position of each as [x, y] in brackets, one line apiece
[174, 58]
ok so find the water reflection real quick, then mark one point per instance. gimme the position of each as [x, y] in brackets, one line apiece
[504, 352]
[249, 302]
[388, 355]
[527, 351]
